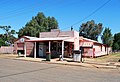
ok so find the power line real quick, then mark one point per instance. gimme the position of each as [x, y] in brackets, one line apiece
[3, 4]
[21, 8]
[91, 13]
[15, 12]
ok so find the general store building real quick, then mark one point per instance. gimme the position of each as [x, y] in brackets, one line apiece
[58, 43]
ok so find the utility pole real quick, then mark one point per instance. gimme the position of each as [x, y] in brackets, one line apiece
[71, 28]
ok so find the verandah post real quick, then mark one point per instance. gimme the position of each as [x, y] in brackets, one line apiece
[35, 50]
[62, 50]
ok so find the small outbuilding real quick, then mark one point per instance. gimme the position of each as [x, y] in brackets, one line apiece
[19, 46]
[92, 48]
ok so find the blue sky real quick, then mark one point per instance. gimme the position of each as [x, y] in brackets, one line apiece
[17, 13]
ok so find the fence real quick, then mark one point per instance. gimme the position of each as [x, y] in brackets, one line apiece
[6, 49]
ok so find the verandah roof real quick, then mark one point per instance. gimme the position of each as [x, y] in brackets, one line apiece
[67, 39]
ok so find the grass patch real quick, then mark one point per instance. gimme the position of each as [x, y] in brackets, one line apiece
[116, 54]
[109, 58]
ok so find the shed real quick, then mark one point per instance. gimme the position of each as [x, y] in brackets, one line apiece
[20, 48]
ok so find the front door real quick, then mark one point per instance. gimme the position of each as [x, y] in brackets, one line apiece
[41, 50]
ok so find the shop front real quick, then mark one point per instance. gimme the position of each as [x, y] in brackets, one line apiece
[56, 47]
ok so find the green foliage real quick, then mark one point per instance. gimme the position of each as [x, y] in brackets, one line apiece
[90, 30]
[107, 37]
[5, 28]
[116, 43]
[38, 24]
[2, 42]
[116, 46]
[7, 38]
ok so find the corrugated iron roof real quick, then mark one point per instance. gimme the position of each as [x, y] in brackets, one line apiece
[29, 37]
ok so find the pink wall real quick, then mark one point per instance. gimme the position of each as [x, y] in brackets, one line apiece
[6, 49]
[20, 46]
[93, 48]
[29, 48]
[100, 49]
[76, 40]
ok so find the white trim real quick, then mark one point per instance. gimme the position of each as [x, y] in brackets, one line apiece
[68, 39]
[49, 47]
[29, 37]
[35, 50]
[81, 38]
[62, 50]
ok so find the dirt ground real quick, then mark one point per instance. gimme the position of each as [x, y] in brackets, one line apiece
[115, 57]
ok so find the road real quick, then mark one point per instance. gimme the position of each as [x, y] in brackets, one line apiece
[26, 71]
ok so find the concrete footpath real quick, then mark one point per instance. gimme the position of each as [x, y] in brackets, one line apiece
[66, 61]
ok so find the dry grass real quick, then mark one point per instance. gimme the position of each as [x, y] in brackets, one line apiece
[8, 56]
[115, 57]
[109, 58]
